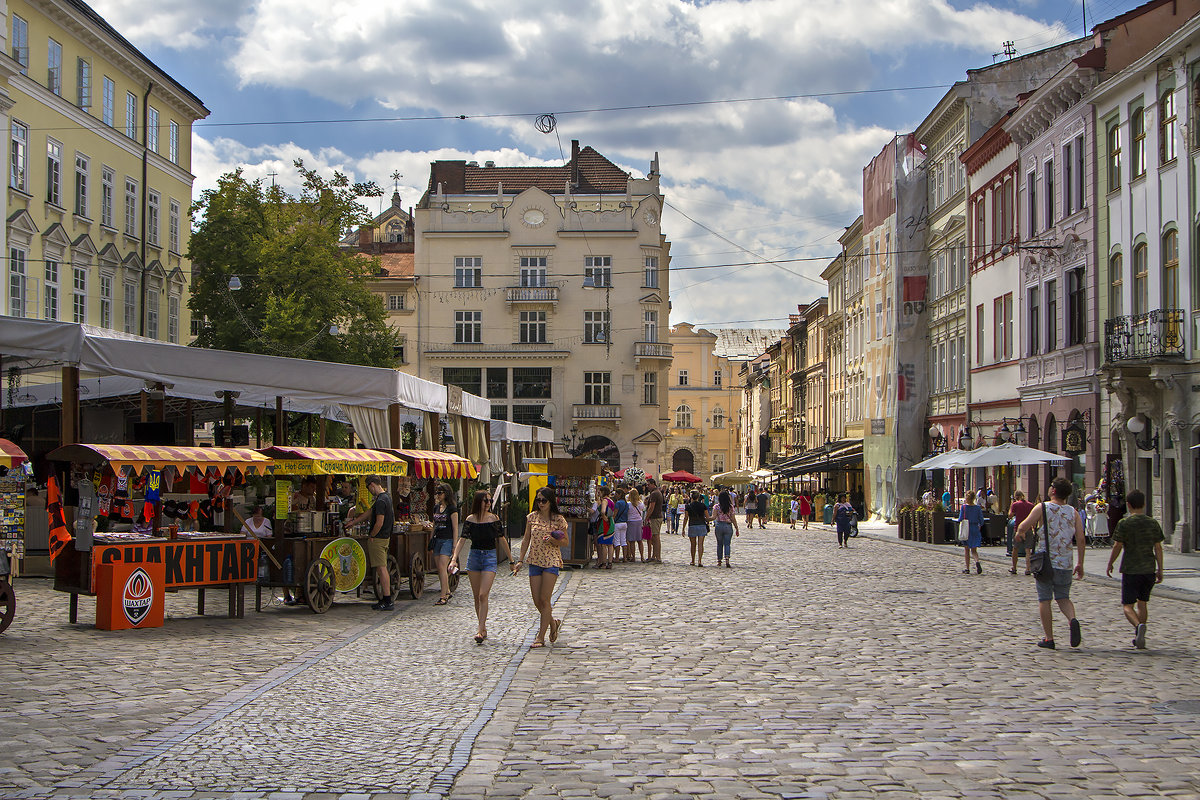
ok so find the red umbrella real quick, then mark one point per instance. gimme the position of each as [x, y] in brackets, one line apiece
[619, 473]
[680, 476]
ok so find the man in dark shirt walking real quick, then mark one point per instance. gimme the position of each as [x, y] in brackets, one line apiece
[381, 535]
[654, 517]
[1140, 537]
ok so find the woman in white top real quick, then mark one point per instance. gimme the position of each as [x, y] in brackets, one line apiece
[257, 525]
[633, 535]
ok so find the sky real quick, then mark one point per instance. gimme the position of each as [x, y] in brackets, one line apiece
[763, 112]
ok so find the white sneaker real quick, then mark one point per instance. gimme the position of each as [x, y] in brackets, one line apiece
[1139, 639]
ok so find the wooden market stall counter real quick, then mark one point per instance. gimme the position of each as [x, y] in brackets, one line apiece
[129, 572]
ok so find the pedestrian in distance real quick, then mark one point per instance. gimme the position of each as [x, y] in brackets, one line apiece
[843, 513]
[1018, 510]
[725, 526]
[620, 526]
[762, 505]
[380, 535]
[654, 514]
[751, 506]
[483, 530]
[545, 530]
[633, 528]
[696, 519]
[806, 509]
[445, 536]
[972, 514]
[1140, 538]
[1061, 530]
[794, 509]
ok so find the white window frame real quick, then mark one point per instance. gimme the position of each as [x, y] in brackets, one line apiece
[395, 302]
[106, 301]
[650, 325]
[718, 417]
[19, 43]
[173, 142]
[153, 292]
[650, 389]
[129, 306]
[468, 327]
[83, 83]
[79, 273]
[597, 388]
[131, 115]
[683, 416]
[683, 377]
[152, 129]
[54, 66]
[108, 180]
[153, 202]
[718, 378]
[173, 303]
[82, 165]
[531, 327]
[18, 152]
[108, 101]
[131, 209]
[595, 327]
[533, 271]
[173, 226]
[18, 281]
[599, 269]
[468, 272]
[50, 287]
[650, 272]
[54, 151]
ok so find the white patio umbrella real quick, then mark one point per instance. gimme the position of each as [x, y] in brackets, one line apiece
[1009, 454]
[951, 459]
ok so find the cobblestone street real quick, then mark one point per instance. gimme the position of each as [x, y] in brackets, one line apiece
[804, 671]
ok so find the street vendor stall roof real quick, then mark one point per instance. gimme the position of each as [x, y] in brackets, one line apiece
[334, 461]
[11, 455]
[157, 457]
[434, 464]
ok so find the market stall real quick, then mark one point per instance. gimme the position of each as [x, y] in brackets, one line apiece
[574, 483]
[12, 524]
[146, 523]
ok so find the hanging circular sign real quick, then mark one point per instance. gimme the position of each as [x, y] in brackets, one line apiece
[349, 563]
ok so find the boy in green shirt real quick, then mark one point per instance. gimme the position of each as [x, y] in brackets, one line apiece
[1141, 538]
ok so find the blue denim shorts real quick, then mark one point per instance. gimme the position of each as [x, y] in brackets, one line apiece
[697, 531]
[481, 561]
[535, 570]
[442, 547]
[1057, 589]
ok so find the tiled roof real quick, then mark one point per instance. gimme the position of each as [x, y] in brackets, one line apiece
[394, 265]
[744, 344]
[596, 174]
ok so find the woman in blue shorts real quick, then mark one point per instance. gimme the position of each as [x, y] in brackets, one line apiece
[545, 534]
[484, 531]
[445, 536]
[696, 517]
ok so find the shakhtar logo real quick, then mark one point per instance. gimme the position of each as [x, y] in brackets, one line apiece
[138, 596]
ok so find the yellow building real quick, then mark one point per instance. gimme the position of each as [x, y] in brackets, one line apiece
[705, 402]
[100, 175]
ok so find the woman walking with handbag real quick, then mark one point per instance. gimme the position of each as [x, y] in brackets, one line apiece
[445, 537]
[725, 525]
[1052, 557]
[843, 514]
[696, 517]
[972, 515]
[545, 530]
[483, 530]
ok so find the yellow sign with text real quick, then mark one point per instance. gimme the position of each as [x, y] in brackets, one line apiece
[324, 467]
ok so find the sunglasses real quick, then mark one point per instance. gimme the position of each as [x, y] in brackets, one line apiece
[543, 500]
[439, 491]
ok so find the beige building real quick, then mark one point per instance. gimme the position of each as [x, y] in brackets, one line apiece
[100, 175]
[815, 368]
[855, 328]
[544, 289]
[834, 357]
[705, 402]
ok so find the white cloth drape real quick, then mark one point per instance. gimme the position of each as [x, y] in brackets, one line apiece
[370, 425]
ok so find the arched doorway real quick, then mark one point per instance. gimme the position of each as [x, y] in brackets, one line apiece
[603, 448]
[683, 460]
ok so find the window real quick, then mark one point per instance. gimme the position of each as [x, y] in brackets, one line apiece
[962, 361]
[83, 83]
[533, 271]
[683, 417]
[717, 377]
[106, 300]
[497, 383]
[469, 379]
[499, 412]
[1076, 308]
[1068, 184]
[650, 389]
[1141, 279]
[650, 326]
[1167, 124]
[718, 463]
[980, 228]
[50, 291]
[532, 327]
[718, 417]
[1051, 316]
[395, 302]
[1116, 297]
[109, 101]
[16, 282]
[683, 377]
[1137, 129]
[53, 172]
[173, 142]
[18, 156]
[54, 67]
[1170, 269]
[468, 327]
[107, 179]
[1031, 198]
[650, 273]
[20, 43]
[952, 375]
[1050, 192]
[979, 330]
[1080, 196]
[173, 320]
[131, 209]
[130, 309]
[79, 295]
[595, 327]
[1008, 326]
[529, 415]
[152, 129]
[81, 185]
[597, 388]
[152, 203]
[131, 115]
[468, 272]
[531, 383]
[599, 269]
[998, 329]
[1008, 216]
[152, 312]
[173, 240]
[1034, 321]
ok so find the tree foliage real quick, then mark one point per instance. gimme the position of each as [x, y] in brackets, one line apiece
[295, 281]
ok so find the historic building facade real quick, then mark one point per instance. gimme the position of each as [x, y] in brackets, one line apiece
[705, 405]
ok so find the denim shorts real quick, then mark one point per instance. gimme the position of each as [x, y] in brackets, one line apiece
[442, 547]
[1058, 589]
[697, 531]
[535, 570]
[481, 561]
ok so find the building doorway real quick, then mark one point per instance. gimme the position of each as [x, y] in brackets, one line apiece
[684, 460]
[603, 448]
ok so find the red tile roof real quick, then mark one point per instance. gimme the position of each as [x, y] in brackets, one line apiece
[596, 174]
[394, 265]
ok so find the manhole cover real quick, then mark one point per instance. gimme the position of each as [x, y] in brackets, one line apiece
[1182, 706]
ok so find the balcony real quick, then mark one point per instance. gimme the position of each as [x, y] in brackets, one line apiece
[580, 411]
[531, 294]
[651, 350]
[1157, 334]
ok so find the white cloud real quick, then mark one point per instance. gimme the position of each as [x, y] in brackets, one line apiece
[179, 24]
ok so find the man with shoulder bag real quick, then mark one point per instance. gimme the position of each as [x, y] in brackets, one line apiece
[1060, 530]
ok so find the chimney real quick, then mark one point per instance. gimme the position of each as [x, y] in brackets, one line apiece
[575, 163]
[365, 237]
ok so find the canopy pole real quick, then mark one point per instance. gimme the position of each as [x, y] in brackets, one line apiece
[258, 423]
[69, 423]
[280, 422]
[160, 403]
[395, 440]
[189, 423]
[321, 432]
[435, 431]
[227, 402]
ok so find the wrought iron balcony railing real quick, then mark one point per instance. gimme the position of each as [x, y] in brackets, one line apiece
[1156, 334]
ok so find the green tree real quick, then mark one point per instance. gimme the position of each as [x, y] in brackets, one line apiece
[295, 281]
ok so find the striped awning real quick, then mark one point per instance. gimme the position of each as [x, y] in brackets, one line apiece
[137, 457]
[11, 455]
[433, 464]
[334, 461]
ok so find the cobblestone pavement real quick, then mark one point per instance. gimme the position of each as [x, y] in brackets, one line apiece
[804, 671]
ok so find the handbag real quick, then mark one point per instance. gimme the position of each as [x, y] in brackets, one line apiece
[964, 530]
[646, 531]
[1039, 563]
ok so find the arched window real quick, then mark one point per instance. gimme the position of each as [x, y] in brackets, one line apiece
[395, 232]
[718, 417]
[1141, 279]
[1167, 121]
[683, 417]
[1116, 297]
[1170, 257]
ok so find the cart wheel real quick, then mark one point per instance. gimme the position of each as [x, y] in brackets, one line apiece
[393, 568]
[416, 577]
[8, 604]
[454, 583]
[318, 586]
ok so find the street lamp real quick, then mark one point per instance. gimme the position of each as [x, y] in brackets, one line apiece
[964, 438]
[1136, 425]
[573, 443]
[937, 439]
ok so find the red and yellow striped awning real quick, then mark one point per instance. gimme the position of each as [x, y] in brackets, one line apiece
[137, 457]
[432, 464]
[11, 455]
[334, 461]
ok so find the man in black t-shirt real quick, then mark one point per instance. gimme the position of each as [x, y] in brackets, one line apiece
[381, 534]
